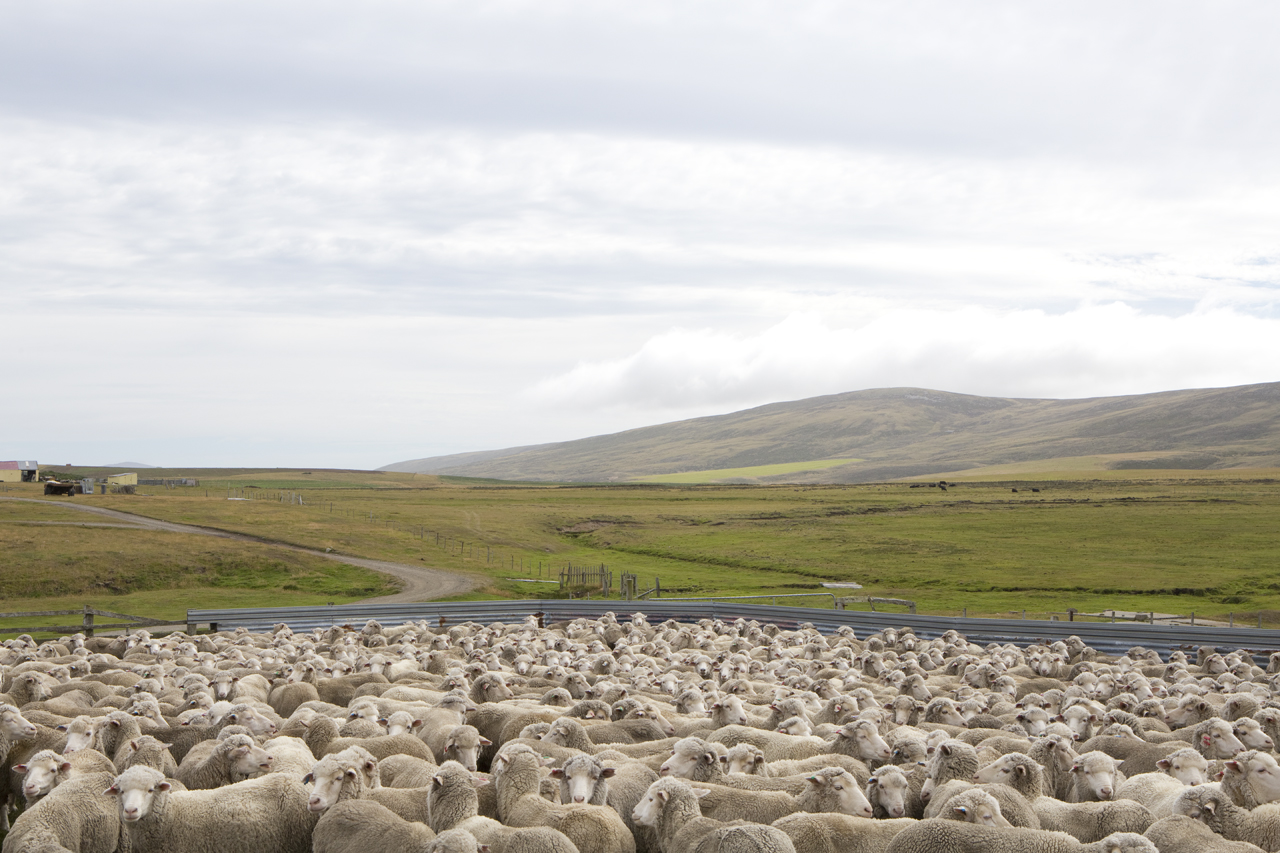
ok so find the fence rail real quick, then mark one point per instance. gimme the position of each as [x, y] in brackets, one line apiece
[86, 626]
[1108, 638]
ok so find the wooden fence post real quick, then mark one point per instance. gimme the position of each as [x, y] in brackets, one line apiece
[88, 621]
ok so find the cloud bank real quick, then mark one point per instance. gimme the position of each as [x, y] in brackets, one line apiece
[288, 233]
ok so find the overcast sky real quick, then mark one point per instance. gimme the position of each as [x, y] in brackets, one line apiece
[343, 235]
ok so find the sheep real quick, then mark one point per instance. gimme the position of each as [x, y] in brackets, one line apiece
[860, 739]
[228, 761]
[584, 779]
[1156, 791]
[451, 798]
[1251, 778]
[461, 744]
[353, 826]
[975, 806]
[838, 833]
[951, 760]
[1181, 834]
[405, 771]
[1097, 775]
[270, 815]
[75, 816]
[1056, 757]
[745, 759]
[892, 794]
[151, 752]
[520, 804]
[1214, 809]
[1185, 765]
[775, 746]
[670, 807]
[930, 836]
[47, 769]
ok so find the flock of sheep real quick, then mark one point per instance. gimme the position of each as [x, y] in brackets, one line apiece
[600, 736]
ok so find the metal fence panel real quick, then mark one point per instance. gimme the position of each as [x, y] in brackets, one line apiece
[1109, 638]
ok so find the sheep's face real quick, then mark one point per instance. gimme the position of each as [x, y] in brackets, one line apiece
[1080, 720]
[729, 711]
[249, 759]
[136, 795]
[16, 726]
[745, 761]
[42, 773]
[947, 713]
[867, 743]
[847, 797]
[1002, 770]
[578, 782]
[1262, 773]
[464, 746]
[79, 735]
[649, 809]
[1097, 774]
[684, 762]
[1251, 734]
[889, 791]
[1218, 741]
[1034, 721]
[1187, 766]
[330, 781]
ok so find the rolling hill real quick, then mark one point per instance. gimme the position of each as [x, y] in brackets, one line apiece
[892, 433]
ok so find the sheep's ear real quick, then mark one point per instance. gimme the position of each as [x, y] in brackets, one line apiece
[946, 750]
[1020, 770]
[60, 728]
[64, 766]
[1233, 766]
[163, 786]
[606, 773]
[308, 779]
[484, 741]
[816, 780]
[19, 768]
[557, 773]
[113, 791]
[961, 810]
[1164, 764]
[697, 792]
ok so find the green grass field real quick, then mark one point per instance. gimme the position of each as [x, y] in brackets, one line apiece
[1161, 541]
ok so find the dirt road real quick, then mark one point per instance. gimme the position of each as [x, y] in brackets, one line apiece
[419, 583]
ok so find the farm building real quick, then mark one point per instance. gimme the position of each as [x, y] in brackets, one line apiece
[19, 472]
[122, 480]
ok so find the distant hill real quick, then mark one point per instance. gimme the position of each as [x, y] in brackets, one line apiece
[128, 465]
[892, 433]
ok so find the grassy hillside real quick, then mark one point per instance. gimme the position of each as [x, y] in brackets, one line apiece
[906, 432]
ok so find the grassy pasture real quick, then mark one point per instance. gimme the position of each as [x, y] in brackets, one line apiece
[1161, 541]
[54, 558]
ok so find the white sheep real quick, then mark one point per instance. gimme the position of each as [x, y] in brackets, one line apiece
[670, 807]
[265, 815]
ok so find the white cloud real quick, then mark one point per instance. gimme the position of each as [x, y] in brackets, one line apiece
[1099, 350]
[435, 211]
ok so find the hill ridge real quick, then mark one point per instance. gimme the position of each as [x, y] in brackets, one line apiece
[908, 432]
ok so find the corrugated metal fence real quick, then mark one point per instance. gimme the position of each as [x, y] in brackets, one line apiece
[1110, 638]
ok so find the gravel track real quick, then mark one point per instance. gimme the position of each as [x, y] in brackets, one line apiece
[419, 583]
